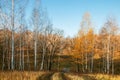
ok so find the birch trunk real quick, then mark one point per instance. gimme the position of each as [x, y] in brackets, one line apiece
[12, 22]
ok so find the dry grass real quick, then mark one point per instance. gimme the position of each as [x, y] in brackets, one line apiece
[73, 77]
[17, 75]
[92, 77]
[56, 76]
[105, 77]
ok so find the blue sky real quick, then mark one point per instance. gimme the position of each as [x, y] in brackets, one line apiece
[67, 14]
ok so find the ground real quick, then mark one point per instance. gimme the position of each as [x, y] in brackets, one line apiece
[30, 75]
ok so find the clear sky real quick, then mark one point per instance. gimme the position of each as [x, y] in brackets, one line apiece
[67, 14]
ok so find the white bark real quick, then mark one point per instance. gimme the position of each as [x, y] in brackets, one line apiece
[108, 54]
[12, 22]
[20, 50]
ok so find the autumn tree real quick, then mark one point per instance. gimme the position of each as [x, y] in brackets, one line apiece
[109, 31]
[36, 23]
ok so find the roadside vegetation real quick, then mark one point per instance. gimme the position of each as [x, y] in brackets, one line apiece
[25, 75]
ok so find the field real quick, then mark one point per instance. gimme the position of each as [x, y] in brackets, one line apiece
[26, 75]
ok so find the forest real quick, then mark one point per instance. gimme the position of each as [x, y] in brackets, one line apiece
[37, 47]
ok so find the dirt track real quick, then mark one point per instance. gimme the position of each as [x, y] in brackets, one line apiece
[53, 76]
[63, 76]
[45, 76]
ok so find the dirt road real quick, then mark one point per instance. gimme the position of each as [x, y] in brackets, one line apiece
[53, 76]
[63, 76]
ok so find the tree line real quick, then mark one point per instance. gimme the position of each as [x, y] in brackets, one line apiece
[88, 46]
[36, 45]
[19, 42]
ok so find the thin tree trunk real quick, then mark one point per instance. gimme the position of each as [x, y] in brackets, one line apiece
[28, 64]
[77, 65]
[108, 54]
[58, 62]
[113, 61]
[43, 57]
[35, 51]
[49, 61]
[20, 54]
[83, 69]
[12, 22]
[51, 57]
[86, 67]
[103, 66]
[9, 60]
[4, 47]
[3, 63]
[91, 63]
[7, 46]
[23, 56]
[107, 63]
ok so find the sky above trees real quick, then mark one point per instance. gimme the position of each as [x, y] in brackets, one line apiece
[67, 14]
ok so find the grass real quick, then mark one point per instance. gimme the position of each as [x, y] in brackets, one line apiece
[105, 77]
[73, 76]
[92, 77]
[17, 75]
[56, 76]
[32, 75]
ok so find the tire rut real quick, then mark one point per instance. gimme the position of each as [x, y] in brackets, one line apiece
[64, 77]
[59, 76]
[45, 76]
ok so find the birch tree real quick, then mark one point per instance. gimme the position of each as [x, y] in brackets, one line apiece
[85, 26]
[108, 31]
[36, 23]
